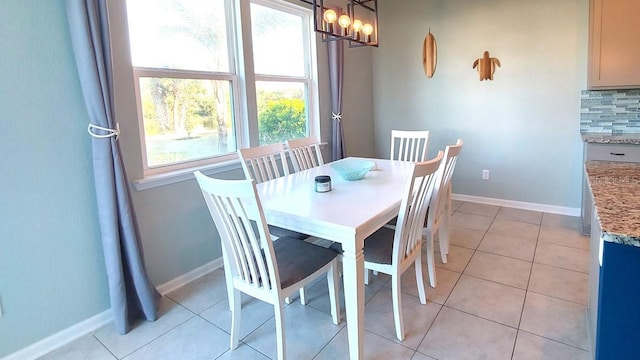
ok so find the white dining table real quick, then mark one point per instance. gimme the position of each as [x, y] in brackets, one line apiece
[347, 214]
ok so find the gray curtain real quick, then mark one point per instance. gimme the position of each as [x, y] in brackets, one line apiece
[132, 295]
[335, 49]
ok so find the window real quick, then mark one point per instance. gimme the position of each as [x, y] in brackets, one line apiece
[281, 57]
[185, 65]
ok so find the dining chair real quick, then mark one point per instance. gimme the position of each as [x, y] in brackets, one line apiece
[409, 145]
[256, 265]
[264, 163]
[393, 250]
[305, 153]
[438, 221]
[261, 164]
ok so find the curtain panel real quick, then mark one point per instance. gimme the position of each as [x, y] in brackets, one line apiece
[131, 293]
[335, 51]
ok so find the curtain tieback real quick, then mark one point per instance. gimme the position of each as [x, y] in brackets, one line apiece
[337, 116]
[109, 132]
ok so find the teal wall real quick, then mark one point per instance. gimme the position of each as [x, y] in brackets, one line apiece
[524, 125]
[177, 232]
[51, 267]
[51, 264]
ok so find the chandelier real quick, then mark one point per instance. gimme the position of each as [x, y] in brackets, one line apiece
[358, 23]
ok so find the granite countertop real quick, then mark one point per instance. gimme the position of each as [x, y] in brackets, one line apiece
[605, 138]
[616, 195]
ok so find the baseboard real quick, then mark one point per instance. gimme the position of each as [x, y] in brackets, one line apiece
[562, 210]
[91, 324]
[61, 338]
[192, 275]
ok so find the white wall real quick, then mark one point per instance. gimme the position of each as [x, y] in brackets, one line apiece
[524, 125]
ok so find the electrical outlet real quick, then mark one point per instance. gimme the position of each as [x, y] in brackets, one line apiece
[485, 174]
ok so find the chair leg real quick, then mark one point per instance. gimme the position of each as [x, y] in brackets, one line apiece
[443, 240]
[420, 280]
[334, 289]
[228, 278]
[230, 294]
[443, 236]
[448, 203]
[280, 332]
[447, 220]
[431, 262]
[235, 301]
[303, 296]
[366, 276]
[397, 305]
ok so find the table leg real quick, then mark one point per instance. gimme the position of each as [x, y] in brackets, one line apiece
[353, 275]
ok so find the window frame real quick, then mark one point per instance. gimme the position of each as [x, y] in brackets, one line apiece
[239, 75]
[310, 79]
[184, 74]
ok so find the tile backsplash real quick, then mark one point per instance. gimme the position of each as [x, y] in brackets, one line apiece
[610, 111]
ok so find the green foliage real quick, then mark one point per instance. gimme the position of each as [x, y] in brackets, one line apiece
[176, 106]
[151, 123]
[282, 119]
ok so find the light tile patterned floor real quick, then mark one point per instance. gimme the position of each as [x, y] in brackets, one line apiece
[514, 287]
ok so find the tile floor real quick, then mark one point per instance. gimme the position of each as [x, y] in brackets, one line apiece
[515, 287]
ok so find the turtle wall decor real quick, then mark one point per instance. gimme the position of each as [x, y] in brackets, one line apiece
[486, 66]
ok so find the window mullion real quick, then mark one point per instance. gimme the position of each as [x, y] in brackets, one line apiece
[246, 74]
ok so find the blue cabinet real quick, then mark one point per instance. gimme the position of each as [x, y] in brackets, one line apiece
[614, 273]
[614, 302]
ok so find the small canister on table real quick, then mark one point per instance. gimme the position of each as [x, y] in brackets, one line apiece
[323, 183]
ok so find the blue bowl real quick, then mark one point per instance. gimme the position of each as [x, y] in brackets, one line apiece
[353, 169]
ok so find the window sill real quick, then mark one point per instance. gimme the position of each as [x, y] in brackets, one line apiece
[173, 177]
[177, 176]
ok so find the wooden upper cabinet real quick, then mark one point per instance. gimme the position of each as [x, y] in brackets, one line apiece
[614, 44]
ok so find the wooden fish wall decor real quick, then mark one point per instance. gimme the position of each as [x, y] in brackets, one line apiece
[486, 66]
[429, 55]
